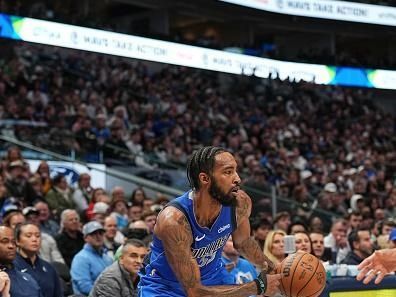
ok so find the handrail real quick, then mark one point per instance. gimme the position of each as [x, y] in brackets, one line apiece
[115, 173]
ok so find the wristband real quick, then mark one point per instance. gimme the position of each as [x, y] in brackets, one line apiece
[261, 283]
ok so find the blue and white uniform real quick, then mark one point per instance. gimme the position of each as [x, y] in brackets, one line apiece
[159, 279]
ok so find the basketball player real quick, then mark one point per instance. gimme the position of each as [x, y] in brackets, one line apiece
[192, 230]
[377, 266]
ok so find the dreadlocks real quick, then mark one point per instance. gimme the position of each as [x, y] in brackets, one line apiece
[201, 160]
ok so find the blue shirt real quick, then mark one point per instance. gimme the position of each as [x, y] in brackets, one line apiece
[243, 272]
[86, 267]
[22, 284]
[43, 273]
[206, 249]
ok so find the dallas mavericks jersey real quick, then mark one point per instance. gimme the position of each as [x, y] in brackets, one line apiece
[206, 250]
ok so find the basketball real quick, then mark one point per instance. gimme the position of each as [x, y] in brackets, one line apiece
[303, 275]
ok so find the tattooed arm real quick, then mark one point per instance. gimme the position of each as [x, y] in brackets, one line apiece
[174, 231]
[246, 245]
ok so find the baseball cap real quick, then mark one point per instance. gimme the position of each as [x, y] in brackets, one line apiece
[92, 227]
[392, 235]
[9, 209]
[30, 210]
[17, 163]
[100, 208]
[330, 187]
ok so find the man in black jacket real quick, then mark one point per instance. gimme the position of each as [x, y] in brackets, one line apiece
[360, 243]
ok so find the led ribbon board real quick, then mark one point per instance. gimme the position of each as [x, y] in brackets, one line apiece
[80, 38]
[326, 9]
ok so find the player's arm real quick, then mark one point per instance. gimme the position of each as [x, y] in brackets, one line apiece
[246, 245]
[174, 231]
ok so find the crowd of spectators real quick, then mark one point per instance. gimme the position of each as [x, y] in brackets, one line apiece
[320, 146]
[316, 144]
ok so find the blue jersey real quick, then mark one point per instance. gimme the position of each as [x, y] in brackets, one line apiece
[159, 279]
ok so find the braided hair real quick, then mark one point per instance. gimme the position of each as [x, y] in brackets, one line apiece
[201, 160]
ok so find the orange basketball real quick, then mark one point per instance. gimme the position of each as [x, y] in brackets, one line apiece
[303, 275]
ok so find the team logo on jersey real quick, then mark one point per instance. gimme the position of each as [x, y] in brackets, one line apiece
[225, 227]
[207, 254]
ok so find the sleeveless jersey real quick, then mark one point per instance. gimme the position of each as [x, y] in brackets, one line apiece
[206, 249]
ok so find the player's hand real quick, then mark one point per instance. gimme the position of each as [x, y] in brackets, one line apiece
[376, 266]
[273, 282]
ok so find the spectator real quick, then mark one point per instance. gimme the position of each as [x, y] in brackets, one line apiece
[282, 221]
[137, 197]
[120, 279]
[354, 218]
[47, 225]
[360, 243]
[112, 237]
[91, 260]
[120, 211]
[95, 194]
[28, 240]
[296, 226]
[303, 242]
[48, 249]
[17, 184]
[44, 172]
[59, 197]
[13, 216]
[274, 247]
[118, 193]
[337, 241]
[70, 241]
[260, 228]
[241, 270]
[22, 284]
[82, 195]
[100, 211]
[135, 213]
[150, 218]
[318, 248]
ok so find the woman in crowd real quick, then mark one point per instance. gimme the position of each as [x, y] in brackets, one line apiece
[303, 242]
[274, 247]
[94, 198]
[28, 240]
[138, 196]
[43, 171]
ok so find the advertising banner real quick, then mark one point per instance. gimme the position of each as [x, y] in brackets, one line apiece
[80, 38]
[326, 9]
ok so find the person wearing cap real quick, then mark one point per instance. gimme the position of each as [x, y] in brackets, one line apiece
[120, 279]
[16, 183]
[47, 225]
[91, 260]
[100, 211]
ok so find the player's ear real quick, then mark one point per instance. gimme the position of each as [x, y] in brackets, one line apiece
[204, 178]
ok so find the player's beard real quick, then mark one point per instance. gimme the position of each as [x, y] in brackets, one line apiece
[226, 199]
